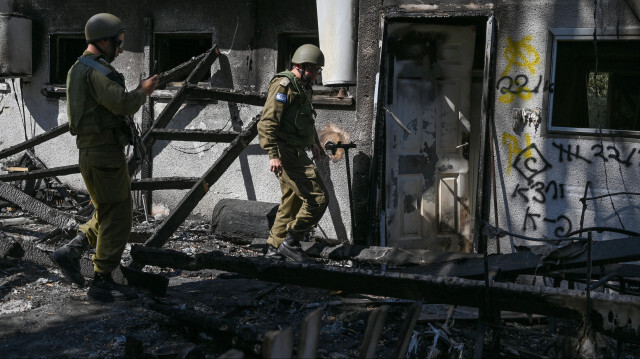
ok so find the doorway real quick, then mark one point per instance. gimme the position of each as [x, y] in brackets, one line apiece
[431, 98]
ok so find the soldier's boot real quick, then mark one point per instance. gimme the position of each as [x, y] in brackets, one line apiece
[104, 289]
[272, 253]
[290, 248]
[67, 258]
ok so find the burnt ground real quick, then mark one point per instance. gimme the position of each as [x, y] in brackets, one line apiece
[44, 316]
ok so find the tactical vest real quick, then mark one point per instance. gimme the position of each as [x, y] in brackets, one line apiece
[297, 125]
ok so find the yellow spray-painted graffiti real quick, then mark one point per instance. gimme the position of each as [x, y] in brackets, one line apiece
[513, 147]
[520, 54]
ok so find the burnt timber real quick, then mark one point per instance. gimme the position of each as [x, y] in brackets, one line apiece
[554, 302]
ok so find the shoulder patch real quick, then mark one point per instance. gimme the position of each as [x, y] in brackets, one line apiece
[285, 82]
[281, 97]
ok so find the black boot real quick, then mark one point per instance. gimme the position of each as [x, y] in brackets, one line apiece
[272, 253]
[67, 258]
[104, 289]
[290, 248]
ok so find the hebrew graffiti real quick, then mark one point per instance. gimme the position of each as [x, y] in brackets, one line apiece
[520, 54]
[531, 165]
[513, 147]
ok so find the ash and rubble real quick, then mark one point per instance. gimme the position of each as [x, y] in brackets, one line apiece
[43, 315]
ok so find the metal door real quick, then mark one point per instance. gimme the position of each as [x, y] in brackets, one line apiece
[426, 172]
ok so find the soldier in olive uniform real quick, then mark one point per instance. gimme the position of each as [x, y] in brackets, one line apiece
[285, 131]
[97, 103]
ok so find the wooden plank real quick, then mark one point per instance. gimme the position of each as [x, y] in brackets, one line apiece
[309, 335]
[555, 302]
[200, 189]
[52, 133]
[278, 344]
[43, 173]
[158, 183]
[372, 332]
[194, 135]
[199, 93]
[406, 332]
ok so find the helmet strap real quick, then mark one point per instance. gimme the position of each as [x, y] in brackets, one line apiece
[302, 71]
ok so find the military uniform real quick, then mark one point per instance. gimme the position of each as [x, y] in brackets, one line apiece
[96, 106]
[286, 129]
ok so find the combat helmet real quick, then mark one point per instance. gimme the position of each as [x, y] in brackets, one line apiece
[102, 26]
[308, 54]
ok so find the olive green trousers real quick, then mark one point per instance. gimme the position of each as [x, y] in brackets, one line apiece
[304, 196]
[106, 176]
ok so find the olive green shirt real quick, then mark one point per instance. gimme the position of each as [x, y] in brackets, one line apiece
[288, 116]
[96, 105]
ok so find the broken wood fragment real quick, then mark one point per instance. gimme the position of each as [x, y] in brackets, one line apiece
[309, 335]
[42, 173]
[157, 183]
[44, 212]
[372, 332]
[406, 332]
[278, 344]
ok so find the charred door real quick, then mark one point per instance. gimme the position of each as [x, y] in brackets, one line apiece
[428, 89]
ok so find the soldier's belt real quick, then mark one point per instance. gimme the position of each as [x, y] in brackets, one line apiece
[103, 148]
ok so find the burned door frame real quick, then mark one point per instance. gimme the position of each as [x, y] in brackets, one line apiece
[481, 184]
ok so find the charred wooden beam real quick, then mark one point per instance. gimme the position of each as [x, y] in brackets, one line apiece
[157, 183]
[52, 133]
[198, 93]
[174, 105]
[194, 135]
[39, 254]
[180, 71]
[200, 189]
[556, 302]
[44, 212]
[510, 265]
[49, 172]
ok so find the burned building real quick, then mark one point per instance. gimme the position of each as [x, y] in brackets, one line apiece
[480, 126]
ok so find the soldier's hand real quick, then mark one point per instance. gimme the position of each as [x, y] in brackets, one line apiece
[149, 85]
[275, 166]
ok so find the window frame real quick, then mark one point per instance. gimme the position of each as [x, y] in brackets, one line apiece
[54, 53]
[584, 34]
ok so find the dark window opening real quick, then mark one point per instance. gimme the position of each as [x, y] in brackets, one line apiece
[607, 99]
[287, 46]
[172, 50]
[64, 51]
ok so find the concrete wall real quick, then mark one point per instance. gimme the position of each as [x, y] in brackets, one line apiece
[247, 35]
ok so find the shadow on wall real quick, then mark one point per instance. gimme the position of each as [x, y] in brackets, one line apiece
[334, 207]
[224, 78]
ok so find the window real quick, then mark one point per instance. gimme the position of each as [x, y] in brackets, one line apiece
[64, 51]
[595, 92]
[287, 46]
[173, 49]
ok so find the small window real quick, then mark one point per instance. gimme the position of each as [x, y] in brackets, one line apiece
[173, 49]
[593, 93]
[287, 46]
[64, 51]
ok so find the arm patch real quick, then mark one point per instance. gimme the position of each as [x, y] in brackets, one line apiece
[281, 97]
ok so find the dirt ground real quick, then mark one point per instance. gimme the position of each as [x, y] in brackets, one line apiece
[42, 315]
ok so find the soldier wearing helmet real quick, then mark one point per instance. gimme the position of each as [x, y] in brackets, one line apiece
[286, 129]
[97, 104]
